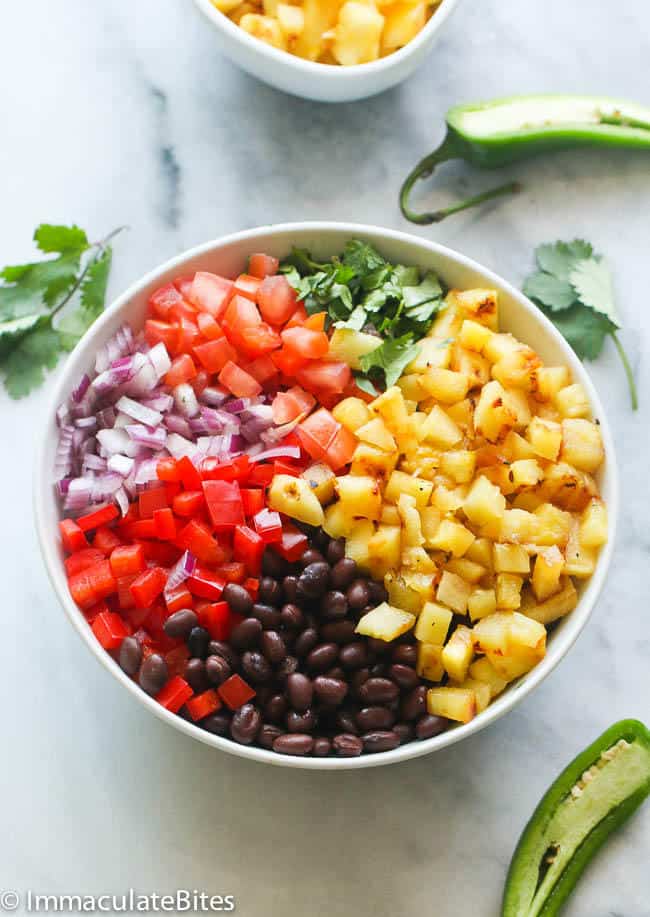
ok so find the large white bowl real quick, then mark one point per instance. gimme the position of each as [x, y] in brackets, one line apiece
[322, 82]
[228, 256]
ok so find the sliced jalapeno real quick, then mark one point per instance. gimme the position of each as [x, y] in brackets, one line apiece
[493, 134]
[592, 797]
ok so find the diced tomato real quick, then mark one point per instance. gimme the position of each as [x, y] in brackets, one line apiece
[261, 475]
[276, 299]
[163, 299]
[188, 335]
[156, 332]
[248, 548]
[148, 586]
[235, 692]
[268, 526]
[184, 285]
[263, 369]
[217, 620]
[293, 544]
[311, 345]
[238, 381]
[305, 399]
[299, 317]
[189, 474]
[167, 470]
[176, 660]
[232, 572]
[110, 630]
[317, 433]
[316, 322]
[181, 370]
[208, 326]
[200, 381]
[197, 539]
[181, 312]
[98, 517]
[252, 586]
[247, 286]
[237, 469]
[260, 265]
[181, 597]
[330, 377]
[151, 499]
[203, 705]
[165, 524]
[288, 362]
[215, 354]
[127, 560]
[206, 584]
[211, 293]
[188, 503]
[253, 500]
[92, 584]
[285, 408]
[341, 449]
[83, 559]
[175, 693]
[257, 340]
[241, 313]
[106, 540]
[224, 503]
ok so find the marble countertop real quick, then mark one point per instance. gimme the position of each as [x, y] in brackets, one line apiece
[124, 112]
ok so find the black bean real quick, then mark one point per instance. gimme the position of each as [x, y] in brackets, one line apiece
[380, 647]
[321, 539]
[354, 655]
[300, 691]
[246, 634]
[268, 734]
[198, 641]
[380, 740]
[357, 594]
[414, 704]
[322, 747]
[322, 657]
[330, 691]
[343, 573]
[378, 691]
[274, 565]
[310, 556]
[275, 708]
[301, 722]
[293, 744]
[217, 723]
[196, 675]
[245, 725]
[130, 655]
[379, 670]
[336, 550]
[346, 721]
[267, 615]
[428, 726]
[340, 632]
[179, 625]
[217, 648]
[290, 588]
[336, 672]
[257, 668]
[287, 667]
[371, 718]
[358, 679]
[153, 674]
[334, 606]
[403, 675]
[305, 642]
[312, 582]
[291, 617]
[238, 599]
[405, 654]
[347, 745]
[273, 646]
[217, 669]
[270, 592]
[405, 731]
[376, 593]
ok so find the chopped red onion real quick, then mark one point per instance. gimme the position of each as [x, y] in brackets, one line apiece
[122, 500]
[93, 463]
[88, 424]
[159, 359]
[159, 401]
[147, 472]
[278, 452]
[178, 446]
[238, 405]
[121, 344]
[214, 395]
[106, 417]
[139, 412]
[81, 389]
[185, 400]
[152, 437]
[182, 570]
[112, 441]
[62, 415]
[177, 424]
[62, 486]
[79, 494]
[122, 464]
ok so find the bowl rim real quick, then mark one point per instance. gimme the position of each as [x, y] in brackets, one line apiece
[333, 72]
[574, 623]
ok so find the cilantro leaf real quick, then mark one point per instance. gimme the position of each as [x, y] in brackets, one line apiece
[50, 238]
[392, 357]
[594, 286]
[24, 367]
[362, 257]
[584, 329]
[559, 258]
[550, 291]
[364, 383]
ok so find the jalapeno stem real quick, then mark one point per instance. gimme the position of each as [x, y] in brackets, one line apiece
[628, 371]
[445, 152]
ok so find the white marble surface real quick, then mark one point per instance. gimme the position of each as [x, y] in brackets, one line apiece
[122, 112]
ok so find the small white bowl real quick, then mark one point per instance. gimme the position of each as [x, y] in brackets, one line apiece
[322, 82]
[228, 256]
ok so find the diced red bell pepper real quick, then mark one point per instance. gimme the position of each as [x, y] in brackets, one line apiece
[247, 286]
[212, 469]
[124, 595]
[175, 693]
[276, 299]
[83, 559]
[200, 382]
[252, 586]
[253, 500]
[106, 540]
[143, 528]
[248, 548]
[110, 630]
[148, 586]
[292, 545]
[188, 503]
[189, 475]
[165, 524]
[232, 572]
[127, 560]
[136, 616]
[203, 704]
[210, 293]
[181, 370]
[97, 609]
[72, 536]
[167, 470]
[181, 597]
[197, 539]
[214, 355]
[98, 517]
[268, 526]
[235, 692]
[205, 584]
[151, 499]
[176, 660]
[282, 467]
[316, 322]
[261, 265]
[161, 553]
[92, 584]
[224, 503]
[239, 382]
[217, 619]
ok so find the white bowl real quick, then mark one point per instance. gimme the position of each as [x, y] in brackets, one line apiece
[228, 256]
[322, 82]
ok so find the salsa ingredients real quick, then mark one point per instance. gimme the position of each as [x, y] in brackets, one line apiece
[493, 134]
[33, 295]
[345, 33]
[591, 798]
[379, 310]
[575, 289]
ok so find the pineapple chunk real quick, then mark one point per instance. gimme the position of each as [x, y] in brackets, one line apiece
[482, 692]
[357, 34]
[417, 560]
[548, 568]
[295, 498]
[510, 558]
[499, 346]
[516, 448]
[337, 522]
[569, 487]
[367, 460]
[448, 499]
[360, 495]
[481, 305]
[482, 670]
[545, 438]
[492, 633]
[571, 401]
[420, 583]
[453, 592]
[385, 623]
[385, 550]
[510, 667]
[391, 406]
[432, 353]
[348, 345]
[440, 430]
[556, 606]
[473, 336]
[402, 595]
[549, 380]
[520, 527]
[357, 543]
[444, 384]
[377, 434]
[352, 413]
[265, 28]
[579, 560]
[458, 465]
[470, 364]
[407, 509]
[593, 524]
[467, 569]
[480, 552]
[390, 515]
[320, 478]
[433, 623]
[448, 321]
[462, 413]
[401, 483]
[526, 634]
[410, 387]
[493, 416]
[481, 602]
[484, 503]
[429, 662]
[457, 704]
[526, 472]
[403, 22]
[226, 6]
[458, 652]
[291, 20]
[509, 590]
[517, 369]
[553, 525]
[582, 444]
[453, 537]
[430, 522]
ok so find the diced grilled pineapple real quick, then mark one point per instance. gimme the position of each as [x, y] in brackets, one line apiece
[545, 438]
[556, 606]
[484, 503]
[582, 444]
[593, 524]
[433, 623]
[571, 401]
[385, 550]
[403, 22]
[459, 465]
[549, 380]
[482, 692]
[357, 34]
[508, 590]
[482, 670]
[440, 430]
[493, 417]
[453, 537]
[481, 602]
[429, 662]
[579, 560]
[401, 483]
[385, 623]
[444, 385]
[547, 571]
[457, 704]
[320, 478]
[265, 28]
[357, 543]
[458, 652]
[526, 472]
[336, 521]
[473, 336]
[360, 495]
[473, 366]
[352, 413]
[291, 20]
[367, 460]
[433, 352]
[480, 305]
[407, 509]
[454, 592]
[295, 498]
[402, 595]
[468, 570]
[510, 558]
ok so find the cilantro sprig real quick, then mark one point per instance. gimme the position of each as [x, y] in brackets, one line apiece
[362, 291]
[34, 295]
[575, 289]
